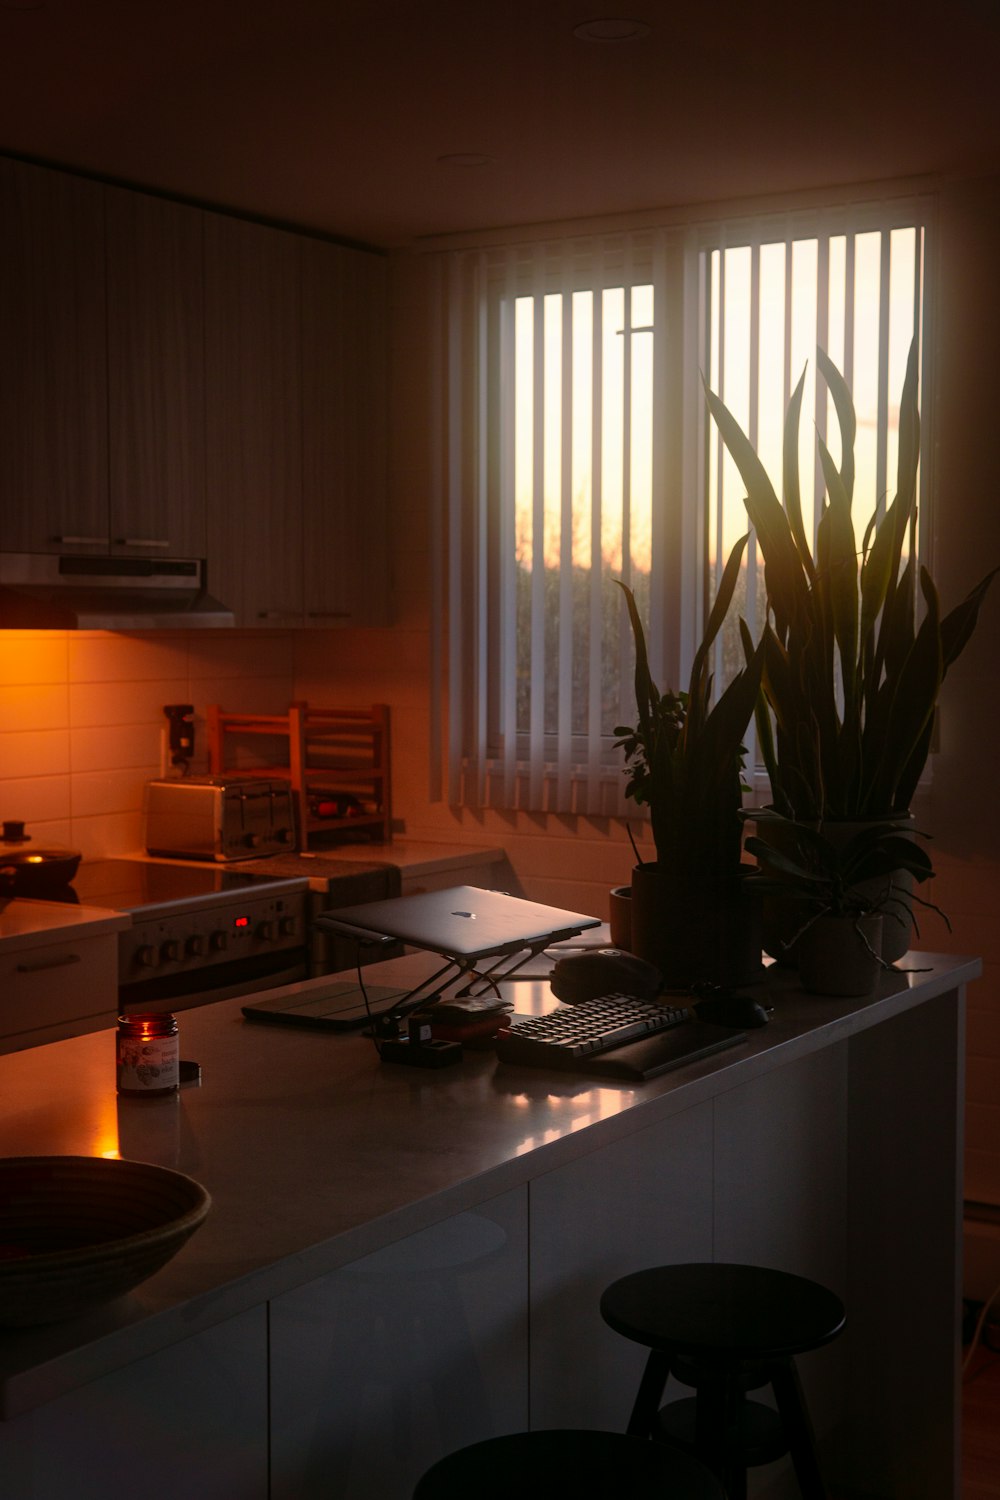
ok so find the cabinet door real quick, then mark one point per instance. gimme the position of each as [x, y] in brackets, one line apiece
[344, 427]
[189, 1421]
[383, 1367]
[156, 380]
[53, 389]
[253, 402]
[64, 988]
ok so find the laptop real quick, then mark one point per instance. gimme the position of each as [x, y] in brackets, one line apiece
[462, 922]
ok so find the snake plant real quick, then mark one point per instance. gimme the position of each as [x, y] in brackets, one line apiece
[684, 756]
[850, 680]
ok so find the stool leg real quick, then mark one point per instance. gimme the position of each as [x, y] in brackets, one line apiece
[649, 1395]
[798, 1429]
[716, 1438]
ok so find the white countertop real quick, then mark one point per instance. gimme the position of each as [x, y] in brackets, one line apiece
[315, 1153]
[32, 924]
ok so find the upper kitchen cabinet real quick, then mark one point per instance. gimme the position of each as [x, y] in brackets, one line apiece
[53, 372]
[254, 420]
[156, 376]
[344, 435]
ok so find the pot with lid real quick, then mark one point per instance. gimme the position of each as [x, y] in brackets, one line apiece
[27, 870]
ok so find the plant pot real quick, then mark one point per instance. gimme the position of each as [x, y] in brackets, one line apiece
[620, 917]
[839, 955]
[693, 936]
[781, 919]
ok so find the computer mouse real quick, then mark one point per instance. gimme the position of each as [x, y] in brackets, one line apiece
[742, 1012]
[603, 971]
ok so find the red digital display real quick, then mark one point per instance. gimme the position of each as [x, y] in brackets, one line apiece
[241, 922]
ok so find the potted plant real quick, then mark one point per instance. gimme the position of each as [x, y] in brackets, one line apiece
[691, 915]
[851, 679]
[846, 893]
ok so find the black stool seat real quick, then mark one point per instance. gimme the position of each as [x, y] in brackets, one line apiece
[726, 1329]
[582, 1465]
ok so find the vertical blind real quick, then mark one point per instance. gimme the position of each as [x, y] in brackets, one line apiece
[572, 450]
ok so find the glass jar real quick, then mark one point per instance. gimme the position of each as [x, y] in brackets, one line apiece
[147, 1055]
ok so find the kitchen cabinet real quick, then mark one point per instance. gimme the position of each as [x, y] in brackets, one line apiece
[58, 972]
[175, 381]
[156, 376]
[380, 1367]
[344, 435]
[53, 362]
[433, 1244]
[189, 1420]
[253, 399]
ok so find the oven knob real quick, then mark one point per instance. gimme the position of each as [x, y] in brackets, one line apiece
[218, 941]
[195, 945]
[286, 926]
[170, 951]
[251, 840]
[265, 930]
[145, 956]
[284, 835]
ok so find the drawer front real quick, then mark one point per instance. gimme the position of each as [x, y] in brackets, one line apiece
[58, 990]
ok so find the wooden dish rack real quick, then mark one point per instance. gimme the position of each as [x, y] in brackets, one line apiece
[338, 759]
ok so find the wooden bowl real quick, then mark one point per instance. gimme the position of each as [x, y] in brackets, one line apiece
[76, 1231]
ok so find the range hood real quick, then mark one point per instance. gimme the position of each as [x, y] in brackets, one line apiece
[47, 591]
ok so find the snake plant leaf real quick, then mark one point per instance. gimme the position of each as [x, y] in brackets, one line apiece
[783, 576]
[646, 693]
[909, 431]
[844, 406]
[957, 627]
[843, 577]
[717, 614]
[790, 475]
[914, 693]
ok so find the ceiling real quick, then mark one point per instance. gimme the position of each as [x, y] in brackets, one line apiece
[341, 115]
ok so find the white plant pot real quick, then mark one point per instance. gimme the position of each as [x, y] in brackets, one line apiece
[839, 955]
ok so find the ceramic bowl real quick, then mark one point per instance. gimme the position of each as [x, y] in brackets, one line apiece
[76, 1231]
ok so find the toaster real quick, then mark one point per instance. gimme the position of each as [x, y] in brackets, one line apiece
[219, 817]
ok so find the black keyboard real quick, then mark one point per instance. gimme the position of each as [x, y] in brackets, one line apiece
[572, 1032]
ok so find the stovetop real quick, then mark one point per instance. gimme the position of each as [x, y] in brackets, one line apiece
[138, 885]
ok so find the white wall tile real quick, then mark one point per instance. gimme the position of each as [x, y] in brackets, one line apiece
[99, 792]
[37, 752]
[33, 656]
[109, 834]
[115, 747]
[133, 702]
[34, 705]
[99, 656]
[36, 799]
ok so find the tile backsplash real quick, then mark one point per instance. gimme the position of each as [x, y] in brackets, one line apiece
[82, 726]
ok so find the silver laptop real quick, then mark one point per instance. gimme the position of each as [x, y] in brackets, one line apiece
[462, 922]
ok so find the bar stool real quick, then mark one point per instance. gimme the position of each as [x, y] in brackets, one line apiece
[582, 1464]
[726, 1330]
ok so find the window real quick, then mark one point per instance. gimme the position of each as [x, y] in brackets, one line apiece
[575, 450]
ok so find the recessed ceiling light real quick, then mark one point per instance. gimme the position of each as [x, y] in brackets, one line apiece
[465, 159]
[611, 29]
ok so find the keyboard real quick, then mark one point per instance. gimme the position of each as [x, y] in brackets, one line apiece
[572, 1032]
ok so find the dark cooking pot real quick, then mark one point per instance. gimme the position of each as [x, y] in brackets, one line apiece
[29, 871]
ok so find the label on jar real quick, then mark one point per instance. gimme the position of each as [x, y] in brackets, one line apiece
[148, 1065]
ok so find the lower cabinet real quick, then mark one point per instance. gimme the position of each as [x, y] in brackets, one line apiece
[59, 989]
[189, 1421]
[380, 1368]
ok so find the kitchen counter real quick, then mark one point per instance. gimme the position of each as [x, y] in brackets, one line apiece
[787, 1149]
[27, 923]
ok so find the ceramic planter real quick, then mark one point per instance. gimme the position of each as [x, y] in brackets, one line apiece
[781, 919]
[838, 955]
[693, 937]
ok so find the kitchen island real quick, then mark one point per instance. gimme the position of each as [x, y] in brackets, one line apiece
[399, 1261]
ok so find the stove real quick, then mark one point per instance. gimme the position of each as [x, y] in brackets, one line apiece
[199, 933]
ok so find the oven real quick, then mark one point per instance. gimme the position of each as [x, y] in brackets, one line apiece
[199, 933]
